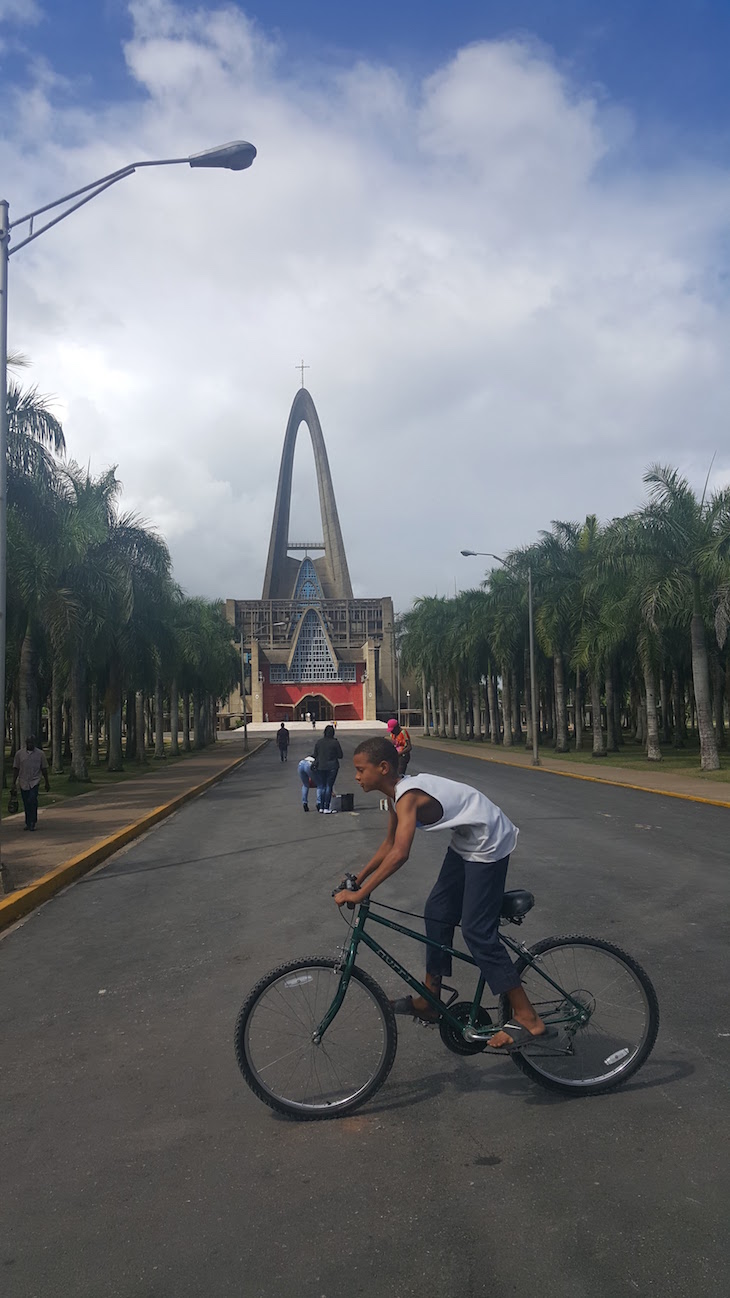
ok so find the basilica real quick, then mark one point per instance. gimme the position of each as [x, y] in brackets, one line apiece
[311, 651]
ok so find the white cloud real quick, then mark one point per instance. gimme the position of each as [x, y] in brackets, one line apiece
[504, 322]
[20, 11]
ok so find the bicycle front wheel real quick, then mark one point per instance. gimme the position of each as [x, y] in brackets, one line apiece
[606, 1015]
[279, 1057]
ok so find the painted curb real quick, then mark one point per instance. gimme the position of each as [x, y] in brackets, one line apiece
[575, 775]
[23, 901]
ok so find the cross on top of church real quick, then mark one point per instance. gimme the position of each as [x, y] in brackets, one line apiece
[301, 366]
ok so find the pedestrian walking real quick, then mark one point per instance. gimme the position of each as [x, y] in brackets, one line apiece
[327, 754]
[282, 740]
[29, 765]
[306, 776]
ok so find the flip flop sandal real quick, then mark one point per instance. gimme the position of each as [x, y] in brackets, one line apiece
[521, 1038]
[404, 1005]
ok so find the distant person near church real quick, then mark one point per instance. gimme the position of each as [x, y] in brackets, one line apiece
[403, 746]
[29, 765]
[307, 777]
[327, 754]
[282, 739]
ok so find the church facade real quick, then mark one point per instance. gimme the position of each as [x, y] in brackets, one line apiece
[310, 649]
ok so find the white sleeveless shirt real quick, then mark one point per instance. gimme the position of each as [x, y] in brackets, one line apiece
[481, 831]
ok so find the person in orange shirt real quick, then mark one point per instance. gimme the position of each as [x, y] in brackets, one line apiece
[403, 746]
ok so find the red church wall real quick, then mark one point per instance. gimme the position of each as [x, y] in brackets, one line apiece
[345, 697]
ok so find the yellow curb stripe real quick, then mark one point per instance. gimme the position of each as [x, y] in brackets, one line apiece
[24, 900]
[574, 775]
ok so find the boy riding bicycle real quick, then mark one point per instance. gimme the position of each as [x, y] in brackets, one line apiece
[469, 888]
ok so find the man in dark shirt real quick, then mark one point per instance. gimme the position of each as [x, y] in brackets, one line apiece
[327, 754]
[282, 739]
[29, 765]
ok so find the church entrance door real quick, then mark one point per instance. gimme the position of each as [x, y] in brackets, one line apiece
[317, 707]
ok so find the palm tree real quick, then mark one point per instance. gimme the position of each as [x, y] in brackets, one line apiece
[687, 540]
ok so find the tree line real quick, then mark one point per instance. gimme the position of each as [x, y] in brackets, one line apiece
[99, 635]
[631, 622]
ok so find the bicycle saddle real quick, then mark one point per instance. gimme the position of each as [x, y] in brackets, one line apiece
[516, 903]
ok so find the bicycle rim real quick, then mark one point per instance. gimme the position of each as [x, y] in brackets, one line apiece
[311, 1078]
[622, 1016]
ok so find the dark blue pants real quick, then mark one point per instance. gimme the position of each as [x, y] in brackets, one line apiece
[470, 892]
[325, 784]
[30, 804]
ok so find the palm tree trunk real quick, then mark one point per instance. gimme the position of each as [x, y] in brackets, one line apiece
[186, 721]
[578, 712]
[653, 751]
[506, 708]
[718, 700]
[493, 710]
[56, 720]
[461, 704]
[197, 731]
[709, 760]
[174, 719]
[27, 692]
[516, 718]
[561, 715]
[114, 718]
[611, 743]
[678, 710]
[599, 748]
[139, 728]
[159, 722]
[476, 703]
[451, 728]
[528, 702]
[664, 694]
[79, 769]
[131, 719]
[425, 705]
[95, 724]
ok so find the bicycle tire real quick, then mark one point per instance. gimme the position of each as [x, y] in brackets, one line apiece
[545, 1068]
[297, 1109]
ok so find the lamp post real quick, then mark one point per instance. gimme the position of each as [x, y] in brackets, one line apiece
[236, 156]
[487, 554]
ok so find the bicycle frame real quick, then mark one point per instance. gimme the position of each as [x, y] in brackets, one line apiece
[359, 935]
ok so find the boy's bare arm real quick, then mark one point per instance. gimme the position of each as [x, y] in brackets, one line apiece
[383, 850]
[392, 860]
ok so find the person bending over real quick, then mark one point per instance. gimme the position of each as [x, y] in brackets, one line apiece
[469, 888]
[306, 775]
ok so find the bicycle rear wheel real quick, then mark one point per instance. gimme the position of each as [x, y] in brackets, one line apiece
[621, 1008]
[283, 1064]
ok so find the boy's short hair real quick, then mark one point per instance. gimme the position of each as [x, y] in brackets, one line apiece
[377, 751]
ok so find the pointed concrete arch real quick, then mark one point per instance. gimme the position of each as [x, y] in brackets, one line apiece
[281, 570]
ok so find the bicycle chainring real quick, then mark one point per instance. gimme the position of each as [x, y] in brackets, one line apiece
[453, 1040]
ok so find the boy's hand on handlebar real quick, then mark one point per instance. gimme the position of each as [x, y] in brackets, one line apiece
[346, 897]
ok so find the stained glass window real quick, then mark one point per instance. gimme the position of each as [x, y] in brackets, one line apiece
[312, 659]
[308, 587]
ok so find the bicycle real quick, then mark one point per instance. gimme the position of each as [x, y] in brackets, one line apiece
[317, 1037]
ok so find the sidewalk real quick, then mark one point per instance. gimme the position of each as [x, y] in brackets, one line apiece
[654, 780]
[83, 831]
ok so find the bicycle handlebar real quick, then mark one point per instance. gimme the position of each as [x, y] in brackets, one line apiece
[349, 884]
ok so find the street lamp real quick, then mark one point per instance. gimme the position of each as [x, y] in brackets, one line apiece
[236, 156]
[533, 699]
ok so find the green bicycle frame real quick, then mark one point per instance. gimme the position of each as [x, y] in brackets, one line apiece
[359, 935]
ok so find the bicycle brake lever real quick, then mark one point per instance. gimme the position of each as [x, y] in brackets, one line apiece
[349, 884]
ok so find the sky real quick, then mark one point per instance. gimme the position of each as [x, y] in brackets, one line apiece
[497, 233]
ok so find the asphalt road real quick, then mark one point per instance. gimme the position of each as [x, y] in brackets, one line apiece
[135, 1162]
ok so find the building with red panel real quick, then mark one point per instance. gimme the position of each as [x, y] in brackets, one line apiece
[312, 651]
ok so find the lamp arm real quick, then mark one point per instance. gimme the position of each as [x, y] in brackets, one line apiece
[91, 191]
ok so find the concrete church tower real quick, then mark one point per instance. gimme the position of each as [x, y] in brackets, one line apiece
[281, 569]
[310, 648]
